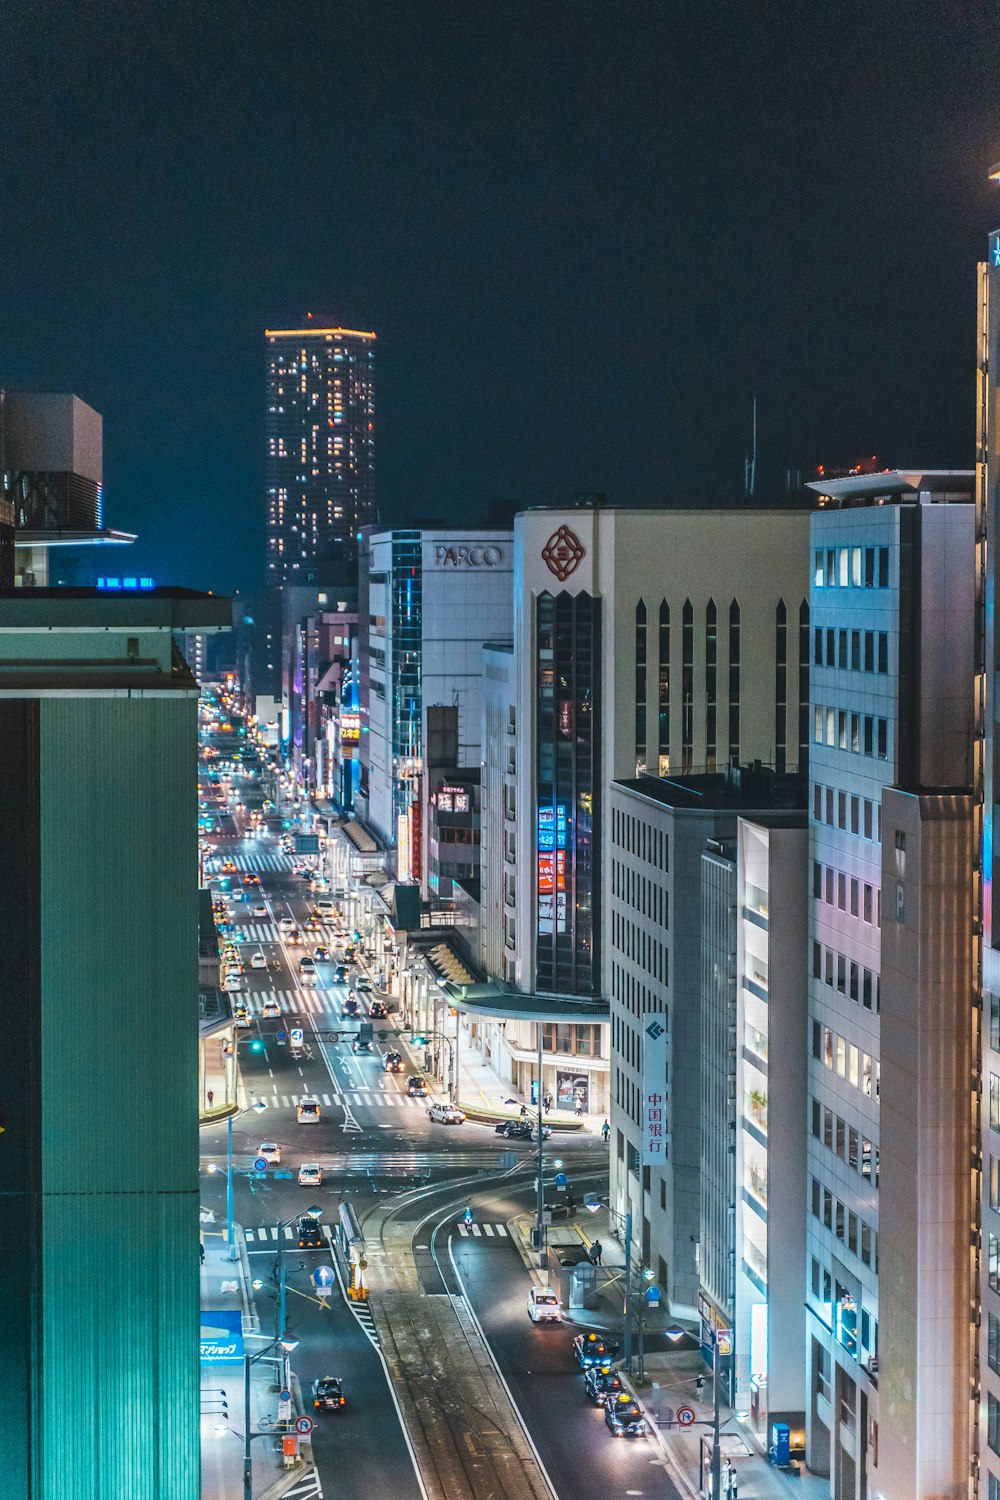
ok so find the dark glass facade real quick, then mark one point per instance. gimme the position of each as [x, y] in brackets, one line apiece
[567, 674]
[407, 677]
[319, 454]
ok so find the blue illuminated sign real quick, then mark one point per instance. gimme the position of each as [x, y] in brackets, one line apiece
[221, 1337]
[996, 251]
[117, 584]
[552, 828]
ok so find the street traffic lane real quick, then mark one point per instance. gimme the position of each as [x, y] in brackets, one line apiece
[581, 1456]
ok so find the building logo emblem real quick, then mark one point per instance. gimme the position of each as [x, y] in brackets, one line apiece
[655, 1030]
[562, 553]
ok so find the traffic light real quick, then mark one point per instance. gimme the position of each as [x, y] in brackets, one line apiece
[418, 1041]
[256, 1045]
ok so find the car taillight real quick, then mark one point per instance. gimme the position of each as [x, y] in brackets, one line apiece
[342, 1401]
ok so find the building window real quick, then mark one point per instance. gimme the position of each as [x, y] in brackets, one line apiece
[687, 686]
[993, 1344]
[640, 688]
[711, 682]
[993, 1263]
[734, 680]
[664, 690]
[993, 1422]
[780, 686]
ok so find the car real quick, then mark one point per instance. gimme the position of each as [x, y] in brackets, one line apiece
[294, 937]
[328, 1393]
[308, 1112]
[228, 868]
[378, 1009]
[270, 1151]
[270, 1010]
[392, 1062]
[416, 1086]
[624, 1416]
[515, 1130]
[242, 1016]
[312, 924]
[306, 962]
[285, 924]
[251, 880]
[592, 1349]
[602, 1383]
[260, 910]
[310, 1174]
[232, 983]
[361, 1044]
[310, 1233]
[340, 974]
[543, 1305]
[321, 955]
[350, 1007]
[445, 1113]
[325, 908]
[364, 984]
[258, 961]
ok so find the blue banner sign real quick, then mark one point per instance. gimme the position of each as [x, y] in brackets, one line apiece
[221, 1337]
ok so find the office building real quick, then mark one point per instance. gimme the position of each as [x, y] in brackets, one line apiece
[99, 921]
[430, 599]
[672, 953]
[771, 1040]
[319, 428]
[987, 789]
[892, 604]
[663, 641]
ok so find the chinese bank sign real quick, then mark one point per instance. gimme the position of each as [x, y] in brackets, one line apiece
[221, 1337]
[655, 1130]
[460, 555]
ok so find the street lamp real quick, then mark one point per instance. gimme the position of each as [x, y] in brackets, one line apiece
[259, 1107]
[592, 1202]
[287, 1346]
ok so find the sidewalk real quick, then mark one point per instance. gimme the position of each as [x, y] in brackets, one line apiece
[224, 1284]
[671, 1379]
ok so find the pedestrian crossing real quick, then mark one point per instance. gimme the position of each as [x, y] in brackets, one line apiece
[269, 1233]
[259, 931]
[306, 1488]
[312, 1000]
[356, 1096]
[362, 1312]
[483, 1231]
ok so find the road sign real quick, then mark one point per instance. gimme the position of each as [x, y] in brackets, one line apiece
[560, 1179]
[322, 1276]
[304, 1426]
[296, 1037]
[260, 1165]
[281, 1036]
[284, 1396]
[685, 1415]
[652, 1295]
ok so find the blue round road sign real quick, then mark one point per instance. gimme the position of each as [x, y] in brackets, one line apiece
[284, 1395]
[281, 1036]
[653, 1294]
[322, 1276]
[560, 1179]
[260, 1165]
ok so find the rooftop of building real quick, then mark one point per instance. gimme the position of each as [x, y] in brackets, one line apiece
[756, 787]
[895, 486]
[86, 608]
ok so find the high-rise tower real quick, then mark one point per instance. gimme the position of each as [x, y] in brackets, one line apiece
[320, 432]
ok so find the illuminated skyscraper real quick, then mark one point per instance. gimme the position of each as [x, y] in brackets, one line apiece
[319, 464]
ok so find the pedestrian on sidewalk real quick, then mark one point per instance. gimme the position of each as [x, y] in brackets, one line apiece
[547, 1102]
[524, 1111]
[211, 1098]
[606, 1132]
[579, 1109]
[596, 1251]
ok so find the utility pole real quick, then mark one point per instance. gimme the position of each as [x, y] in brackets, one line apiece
[628, 1291]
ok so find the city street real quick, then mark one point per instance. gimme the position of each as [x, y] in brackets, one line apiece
[377, 1149]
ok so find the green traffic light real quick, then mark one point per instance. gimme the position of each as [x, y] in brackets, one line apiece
[256, 1046]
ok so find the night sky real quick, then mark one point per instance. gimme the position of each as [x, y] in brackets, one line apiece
[586, 236]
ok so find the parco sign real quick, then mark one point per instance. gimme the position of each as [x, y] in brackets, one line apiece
[455, 555]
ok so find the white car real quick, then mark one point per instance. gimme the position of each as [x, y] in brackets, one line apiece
[445, 1113]
[310, 1174]
[308, 1112]
[233, 983]
[258, 961]
[543, 1305]
[286, 924]
[260, 910]
[270, 1151]
[271, 1010]
[325, 908]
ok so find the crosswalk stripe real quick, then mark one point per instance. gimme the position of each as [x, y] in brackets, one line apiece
[501, 1229]
[488, 1230]
[326, 1100]
[475, 1229]
[463, 1231]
